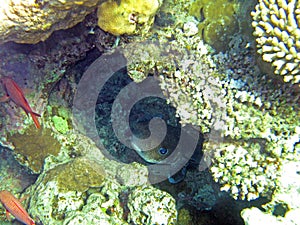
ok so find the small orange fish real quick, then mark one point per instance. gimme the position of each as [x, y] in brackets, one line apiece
[14, 92]
[13, 206]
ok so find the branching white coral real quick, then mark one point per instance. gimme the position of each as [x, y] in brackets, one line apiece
[276, 24]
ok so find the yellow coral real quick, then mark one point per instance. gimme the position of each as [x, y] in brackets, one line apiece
[128, 16]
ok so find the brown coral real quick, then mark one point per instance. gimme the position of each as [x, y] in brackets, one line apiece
[32, 147]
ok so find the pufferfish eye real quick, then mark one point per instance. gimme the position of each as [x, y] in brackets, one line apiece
[162, 151]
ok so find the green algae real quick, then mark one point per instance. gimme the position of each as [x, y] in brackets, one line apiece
[60, 117]
[60, 124]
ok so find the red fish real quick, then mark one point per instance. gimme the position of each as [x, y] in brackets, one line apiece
[13, 206]
[14, 92]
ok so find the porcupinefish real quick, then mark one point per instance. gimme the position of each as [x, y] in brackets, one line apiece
[160, 146]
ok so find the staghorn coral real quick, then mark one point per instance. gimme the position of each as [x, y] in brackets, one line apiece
[277, 31]
[128, 17]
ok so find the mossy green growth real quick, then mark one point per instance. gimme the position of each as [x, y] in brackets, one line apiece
[60, 124]
[63, 112]
[217, 20]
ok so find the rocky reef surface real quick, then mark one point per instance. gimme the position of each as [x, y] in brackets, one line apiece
[207, 70]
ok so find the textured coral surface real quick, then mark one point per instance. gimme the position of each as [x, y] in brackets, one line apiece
[128, 16]
[277, 28]
[33, 21]
[249, 120]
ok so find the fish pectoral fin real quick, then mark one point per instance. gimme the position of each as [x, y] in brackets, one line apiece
[4, 98]
[7, 215]
[36, 114]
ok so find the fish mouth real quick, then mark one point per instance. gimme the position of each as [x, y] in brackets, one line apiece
[145, 153]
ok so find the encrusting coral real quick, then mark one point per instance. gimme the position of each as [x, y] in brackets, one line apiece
[32, 147]
[33, 21]
[216, 24]
[277, 28]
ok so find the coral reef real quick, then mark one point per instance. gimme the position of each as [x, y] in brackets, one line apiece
[128, 16]
[82, 190]
[276, 25]
[250, 122]
[34, 21]
[260, 132]
[217, 21]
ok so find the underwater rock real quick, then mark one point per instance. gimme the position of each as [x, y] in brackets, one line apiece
[84, 191]
[13, 176]
[34, 21]
[128, 16]
[62, 189]
[148, 205]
